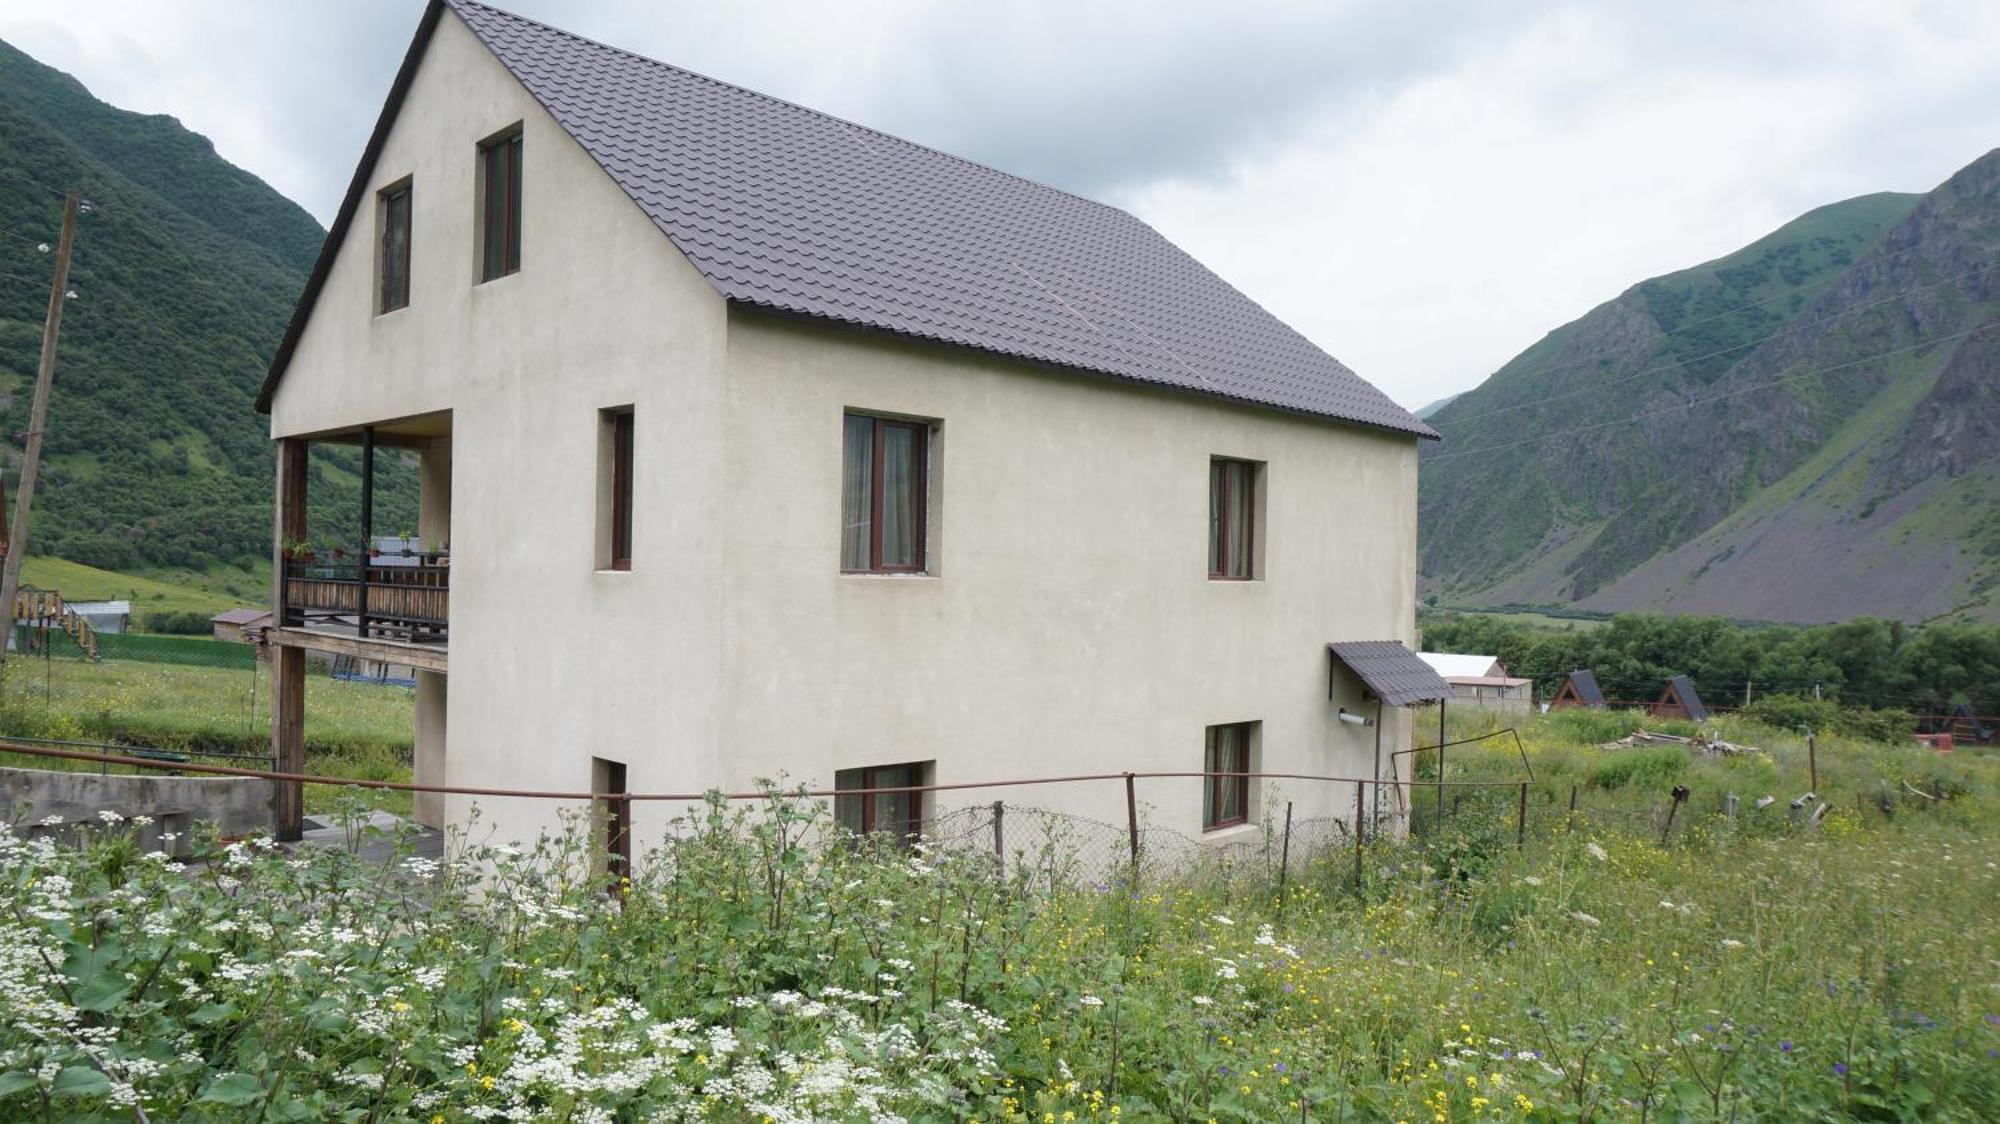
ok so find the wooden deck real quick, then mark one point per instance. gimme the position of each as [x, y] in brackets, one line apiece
[341, 641]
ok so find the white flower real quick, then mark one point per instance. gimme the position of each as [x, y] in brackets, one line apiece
[1596, 852]
[1091, 1001]
[1731, 942]
[1585, 918]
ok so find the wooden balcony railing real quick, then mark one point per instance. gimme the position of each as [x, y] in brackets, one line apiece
[409, 602]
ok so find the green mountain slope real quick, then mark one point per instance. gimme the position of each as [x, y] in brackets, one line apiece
[1798, 431]
[186, 268]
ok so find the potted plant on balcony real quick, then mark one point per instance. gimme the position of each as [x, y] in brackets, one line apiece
[406, 538]
[297, 550]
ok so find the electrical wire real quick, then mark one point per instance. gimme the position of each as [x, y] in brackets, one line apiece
[1695, 402]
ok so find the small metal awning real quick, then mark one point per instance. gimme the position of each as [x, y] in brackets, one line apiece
[1392, 672]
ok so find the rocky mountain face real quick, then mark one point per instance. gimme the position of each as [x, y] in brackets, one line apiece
[1804, 430]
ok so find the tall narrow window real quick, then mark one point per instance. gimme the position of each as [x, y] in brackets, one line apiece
[1225, 798]
[897, 813]
[614, 489]
[885, 468]
[614, 835]
[1232, 519]
[500, 206]
[395, 248]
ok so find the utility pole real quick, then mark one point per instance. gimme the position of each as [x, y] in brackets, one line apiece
[38, 420]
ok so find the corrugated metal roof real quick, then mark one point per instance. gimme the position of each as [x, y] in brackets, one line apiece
[1454, 665]
[1683, 688]
[786, 208]
[1586, 686]
[1391, 671]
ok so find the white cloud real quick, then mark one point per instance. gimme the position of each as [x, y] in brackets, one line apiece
[1422, 188]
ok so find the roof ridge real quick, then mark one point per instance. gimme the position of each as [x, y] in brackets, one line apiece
[788, 104]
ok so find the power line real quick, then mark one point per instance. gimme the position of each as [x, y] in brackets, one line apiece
[1782, 330]
[1694, 402]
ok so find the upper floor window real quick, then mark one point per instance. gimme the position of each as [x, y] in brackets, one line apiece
[393, 285]
[885, 469]
[614, 489]
[500, 206]
[1232, 518]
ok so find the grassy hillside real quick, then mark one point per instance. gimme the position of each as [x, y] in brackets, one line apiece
[1654, 454]
[187, 269]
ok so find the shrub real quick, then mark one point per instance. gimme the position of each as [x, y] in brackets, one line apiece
[177, 623]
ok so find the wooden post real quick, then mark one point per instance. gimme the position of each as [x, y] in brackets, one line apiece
[1360, 832]
[1680, 797]
[367, 528]
[38, 422]
[1521, 817]
[1378, 762]
[1812, 761]
[288, 664]
[1285, 855]
[1132, 826]
[1569, 821]
[999, 838]
[1440, 766]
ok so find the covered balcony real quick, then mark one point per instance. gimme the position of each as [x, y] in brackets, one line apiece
[344, 590]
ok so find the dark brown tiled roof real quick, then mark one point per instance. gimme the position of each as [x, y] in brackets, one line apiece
[1391, 671]
[1585, 683]
[790, 209]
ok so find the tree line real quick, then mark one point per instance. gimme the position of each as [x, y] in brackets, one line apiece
[1865, 662]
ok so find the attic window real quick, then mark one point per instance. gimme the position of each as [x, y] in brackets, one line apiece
[394, 252]
[500, 205]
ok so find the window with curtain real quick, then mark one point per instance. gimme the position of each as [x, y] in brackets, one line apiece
[900, 814]
[500, 206]
[885, 468]
[1226, 799]
[1232, 518]
[395, 249]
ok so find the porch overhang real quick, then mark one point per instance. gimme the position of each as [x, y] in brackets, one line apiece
[1391, 672]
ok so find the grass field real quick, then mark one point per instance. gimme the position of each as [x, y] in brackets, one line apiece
[1746, 969]
[359, 730]
[176, 591]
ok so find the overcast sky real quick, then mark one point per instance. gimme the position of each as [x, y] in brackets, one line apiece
[1422, 188]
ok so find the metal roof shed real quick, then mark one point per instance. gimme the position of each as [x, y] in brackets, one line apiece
[1396, 677]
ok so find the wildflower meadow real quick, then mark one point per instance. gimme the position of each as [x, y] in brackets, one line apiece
[767, 970]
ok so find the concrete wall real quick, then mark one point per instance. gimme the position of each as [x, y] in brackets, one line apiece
[234, 805]
[1068, 624]
[552, 660]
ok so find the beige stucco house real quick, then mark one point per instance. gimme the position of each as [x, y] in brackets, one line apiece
[757, 444]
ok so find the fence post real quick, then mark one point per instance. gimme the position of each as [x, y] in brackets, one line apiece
[1285, 856]
[1440, 807]
[1360, 809]
[1569, 821]
[1521, 817]
[1812, 761]
[1680, 796]
[1132, 826]
[999, 839]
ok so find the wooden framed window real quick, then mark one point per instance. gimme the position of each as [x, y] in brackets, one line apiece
[500, 206]
[614, 831]
[1225, 799]
[394, 252]
[900, 814]
[884, 485]
[1232, 519]
[615, 488]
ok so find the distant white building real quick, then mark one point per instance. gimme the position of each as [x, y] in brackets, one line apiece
[1481, 681]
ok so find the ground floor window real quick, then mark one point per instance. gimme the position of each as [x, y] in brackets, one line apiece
[900, 814]
[1226, 799]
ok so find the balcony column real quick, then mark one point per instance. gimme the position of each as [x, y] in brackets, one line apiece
[434, 493]
[288, 664]
[367, 526]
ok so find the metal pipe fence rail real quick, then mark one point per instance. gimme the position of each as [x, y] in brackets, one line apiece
[1170, 849]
